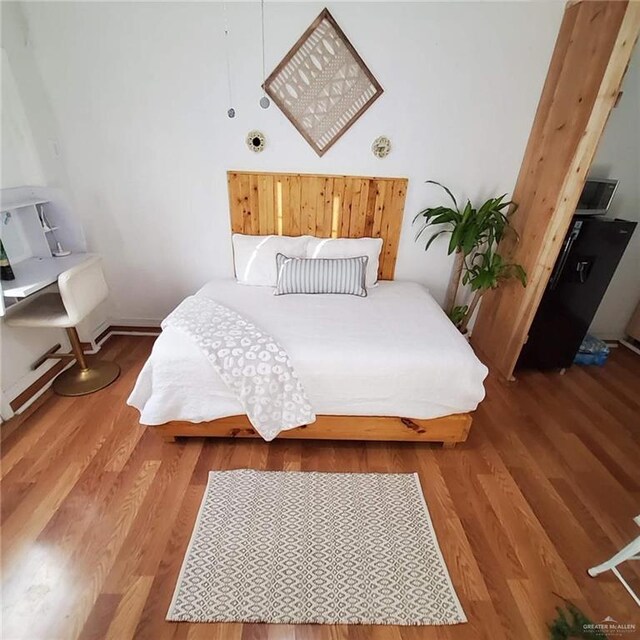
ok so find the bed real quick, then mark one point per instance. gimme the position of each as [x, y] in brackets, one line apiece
[389, 366]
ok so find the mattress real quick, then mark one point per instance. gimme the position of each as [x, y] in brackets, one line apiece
[393, 353]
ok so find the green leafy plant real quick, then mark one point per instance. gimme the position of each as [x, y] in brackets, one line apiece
[573, 624]
[457, 314]
[469, 227]
[474, 235]
[484, 272]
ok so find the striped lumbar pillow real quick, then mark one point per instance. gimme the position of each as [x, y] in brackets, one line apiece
[321, 275]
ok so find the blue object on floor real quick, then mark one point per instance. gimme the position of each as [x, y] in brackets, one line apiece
[592, 351]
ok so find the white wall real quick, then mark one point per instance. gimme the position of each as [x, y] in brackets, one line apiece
[618, 157]
[20, 166]
[139, 96]
[20, 161]
[28, 142]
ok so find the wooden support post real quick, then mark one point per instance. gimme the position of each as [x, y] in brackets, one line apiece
[591, 55]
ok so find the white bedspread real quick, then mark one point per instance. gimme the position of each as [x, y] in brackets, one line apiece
[393, 353]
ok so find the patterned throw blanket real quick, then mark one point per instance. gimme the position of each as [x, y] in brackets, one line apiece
[251, 363]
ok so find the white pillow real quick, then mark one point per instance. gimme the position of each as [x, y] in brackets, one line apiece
[349, 248]
[254, 257]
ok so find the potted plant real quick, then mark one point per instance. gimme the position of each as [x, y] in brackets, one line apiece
[474, 236]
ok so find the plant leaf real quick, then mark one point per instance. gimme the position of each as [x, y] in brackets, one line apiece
[470, 238]
[420, 213]
[422, 230]
[454, 242]
[445, 188]
[433, 237]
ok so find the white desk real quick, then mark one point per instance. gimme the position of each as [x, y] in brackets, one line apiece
[34, 274]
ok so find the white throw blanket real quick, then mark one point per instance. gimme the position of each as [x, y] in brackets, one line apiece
[250, 362]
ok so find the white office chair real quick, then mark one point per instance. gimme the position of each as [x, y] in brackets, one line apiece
[82, 289]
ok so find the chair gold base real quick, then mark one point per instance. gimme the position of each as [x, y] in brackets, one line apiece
[80, 382]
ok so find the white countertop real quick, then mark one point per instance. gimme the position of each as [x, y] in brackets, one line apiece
[34, 274]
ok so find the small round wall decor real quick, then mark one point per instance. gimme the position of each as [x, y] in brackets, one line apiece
[256, 141]
[381, 147]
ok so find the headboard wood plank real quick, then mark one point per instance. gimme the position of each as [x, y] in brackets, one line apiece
[345, 218]
[320, 205]
[392, 225]
[323, 210]
[253, 203]
[378, 209]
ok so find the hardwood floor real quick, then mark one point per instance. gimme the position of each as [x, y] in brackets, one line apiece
[97, 511]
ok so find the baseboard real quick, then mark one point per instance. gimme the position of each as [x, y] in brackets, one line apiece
[631, 344]
[36, 387]
[128, 329]
[24, 399]
[134, 323]
[609, 337]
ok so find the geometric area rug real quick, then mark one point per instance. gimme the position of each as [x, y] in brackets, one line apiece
[306, 547]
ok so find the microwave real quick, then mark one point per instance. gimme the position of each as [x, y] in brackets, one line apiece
[596, 196]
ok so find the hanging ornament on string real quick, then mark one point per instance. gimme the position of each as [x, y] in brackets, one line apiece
[264, 101]
[231, 112]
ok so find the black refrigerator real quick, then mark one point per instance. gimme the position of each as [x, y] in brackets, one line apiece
[588, 259]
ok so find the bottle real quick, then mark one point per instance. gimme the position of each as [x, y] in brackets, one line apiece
[6, 272]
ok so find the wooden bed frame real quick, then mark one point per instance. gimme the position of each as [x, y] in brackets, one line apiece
[448, 430]
[327, 206]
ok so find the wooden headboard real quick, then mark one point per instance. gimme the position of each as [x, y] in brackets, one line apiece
[294, 204]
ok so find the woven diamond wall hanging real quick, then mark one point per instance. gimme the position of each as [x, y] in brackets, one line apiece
[322, 85]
